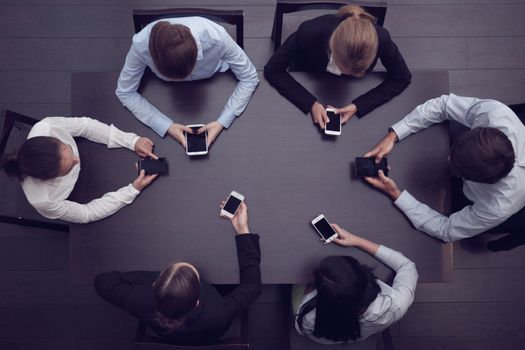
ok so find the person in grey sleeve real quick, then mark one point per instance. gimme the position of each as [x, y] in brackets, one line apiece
[489, 158]
[185, 49]
[347, 303]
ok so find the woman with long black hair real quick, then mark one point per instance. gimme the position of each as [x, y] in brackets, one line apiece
[347, 303]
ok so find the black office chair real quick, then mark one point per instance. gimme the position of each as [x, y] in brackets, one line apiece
[300, 342]
[146, 340]
[20, 123]
[377, 9]
[519, 109]
[142, 18]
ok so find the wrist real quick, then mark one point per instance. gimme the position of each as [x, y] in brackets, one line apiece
[392, 135]
[394, 194]
[244, 230]
[357, 242]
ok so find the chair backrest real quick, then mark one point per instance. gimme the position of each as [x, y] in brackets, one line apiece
[9, 120]
[19, 212]
[519, 109]
[236, 338]
[377, 9]
[142, 18]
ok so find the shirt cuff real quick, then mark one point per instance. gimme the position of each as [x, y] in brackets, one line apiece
[226, 119]
[161, 124]
[401, 129]
[383, 252]
[133, 143]
[119, 138]
[132, 191]
[405, 201]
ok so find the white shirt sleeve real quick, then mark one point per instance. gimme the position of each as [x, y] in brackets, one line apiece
[128, 84]
[95, 131]
[97, 209]
[437, 110]
[405, 281]
[245, 71]
[467, 222]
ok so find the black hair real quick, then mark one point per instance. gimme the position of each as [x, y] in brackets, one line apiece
[38, 157]
[345, 289]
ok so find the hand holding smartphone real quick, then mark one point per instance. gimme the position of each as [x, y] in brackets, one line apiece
[232, 204]
[334, 126]
[367, 167]
[323, 227]
[196, 144]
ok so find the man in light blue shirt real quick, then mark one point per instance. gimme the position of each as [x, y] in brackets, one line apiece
[187, 40]
[490, 158]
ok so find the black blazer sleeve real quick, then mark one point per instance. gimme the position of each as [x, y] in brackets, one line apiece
[249, 256]
[398, 76]
[131, 291]
[276, 72]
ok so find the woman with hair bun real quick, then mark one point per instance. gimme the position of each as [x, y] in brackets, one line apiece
[348, 43]
[48, 164]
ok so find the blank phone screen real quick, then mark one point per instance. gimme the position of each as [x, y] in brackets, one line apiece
[154, 166]
[324, 228]
[335, 122]
[232, 204]
[196, 143]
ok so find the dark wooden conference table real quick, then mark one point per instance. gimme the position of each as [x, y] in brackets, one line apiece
[275, 156]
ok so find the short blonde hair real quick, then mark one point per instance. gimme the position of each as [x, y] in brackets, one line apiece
[354, 42]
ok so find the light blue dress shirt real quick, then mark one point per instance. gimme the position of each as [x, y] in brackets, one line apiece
[217, 51]
[492, 203]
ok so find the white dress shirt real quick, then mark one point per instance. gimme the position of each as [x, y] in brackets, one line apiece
[49, 197]
[217, 51]
[492, 203]
[331, 67]
[390, 305]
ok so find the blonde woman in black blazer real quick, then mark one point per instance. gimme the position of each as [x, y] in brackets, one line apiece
[349, 43]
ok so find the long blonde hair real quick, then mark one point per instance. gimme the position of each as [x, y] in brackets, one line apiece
[354, 42]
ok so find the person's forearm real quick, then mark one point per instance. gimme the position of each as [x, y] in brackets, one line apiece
[366, 245]
[95, 210]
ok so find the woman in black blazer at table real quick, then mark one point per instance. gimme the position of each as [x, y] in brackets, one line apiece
[178, 304]
[348, 43]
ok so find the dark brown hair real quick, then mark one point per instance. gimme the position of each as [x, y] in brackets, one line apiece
[176, 292]
[482, 155]
[354, 42]
[37, 157]
[173, 49]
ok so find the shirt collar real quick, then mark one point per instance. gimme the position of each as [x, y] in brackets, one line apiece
[199, 45]
[332, 67]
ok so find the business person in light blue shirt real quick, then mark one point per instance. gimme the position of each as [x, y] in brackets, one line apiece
[185, 49]
[490, 159]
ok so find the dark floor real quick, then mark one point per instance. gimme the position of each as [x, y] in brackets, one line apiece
[480, 42]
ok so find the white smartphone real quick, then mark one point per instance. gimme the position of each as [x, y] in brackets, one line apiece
[196, 145]
[232, 204]
[323, 227]
[334, 126]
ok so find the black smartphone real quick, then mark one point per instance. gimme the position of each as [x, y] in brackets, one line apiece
[154, 166]
[334, 126]
[366, 166]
